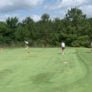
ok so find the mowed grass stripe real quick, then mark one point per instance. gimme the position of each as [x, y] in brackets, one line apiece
[41, 70]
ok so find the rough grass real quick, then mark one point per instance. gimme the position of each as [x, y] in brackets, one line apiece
[46, 70]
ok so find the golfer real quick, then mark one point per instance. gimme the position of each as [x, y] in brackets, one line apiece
[26, 45]
[63, 47]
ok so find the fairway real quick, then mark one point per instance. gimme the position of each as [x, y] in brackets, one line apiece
[45, 70]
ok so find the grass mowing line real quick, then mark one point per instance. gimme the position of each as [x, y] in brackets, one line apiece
[83, 62]
[73, 68]
[83, 66]
[44, 73]
[85, 84]
[86, 58]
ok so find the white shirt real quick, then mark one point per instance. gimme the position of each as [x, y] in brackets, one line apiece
[26, 42]
[62, 44]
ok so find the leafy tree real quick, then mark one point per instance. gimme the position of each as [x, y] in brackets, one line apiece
[12, 22]
[75, 29]
[45, 17]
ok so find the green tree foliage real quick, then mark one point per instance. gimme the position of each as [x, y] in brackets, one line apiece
[75, 29]
[5, 34]
[12, 22]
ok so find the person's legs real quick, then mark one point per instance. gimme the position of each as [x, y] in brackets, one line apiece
[27, 48]
[62, 50]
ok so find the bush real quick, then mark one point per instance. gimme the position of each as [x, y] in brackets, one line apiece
[75, 43]
[81, 41]
[84, 40]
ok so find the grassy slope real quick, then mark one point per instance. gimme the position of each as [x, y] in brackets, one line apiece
[44, 70]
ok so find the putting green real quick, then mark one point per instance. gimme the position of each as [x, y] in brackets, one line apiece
[45, 70]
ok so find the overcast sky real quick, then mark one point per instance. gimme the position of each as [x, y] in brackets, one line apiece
[35, 8]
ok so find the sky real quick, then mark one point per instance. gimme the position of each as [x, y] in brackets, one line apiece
[35, 8]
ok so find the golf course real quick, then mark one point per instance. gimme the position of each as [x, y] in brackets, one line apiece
[45, 70]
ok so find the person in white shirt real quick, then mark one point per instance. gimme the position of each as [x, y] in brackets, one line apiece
[26, 42]
[26, 45]
[62, 46]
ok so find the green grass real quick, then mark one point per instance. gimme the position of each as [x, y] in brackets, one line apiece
[46, 70]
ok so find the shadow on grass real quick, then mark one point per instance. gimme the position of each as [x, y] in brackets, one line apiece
[42, 78]
[4, 73]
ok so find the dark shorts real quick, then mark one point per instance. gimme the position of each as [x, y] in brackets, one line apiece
[63, 48]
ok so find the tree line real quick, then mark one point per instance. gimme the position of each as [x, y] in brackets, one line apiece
[75, 29]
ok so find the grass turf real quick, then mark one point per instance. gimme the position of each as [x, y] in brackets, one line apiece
[46, 70]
